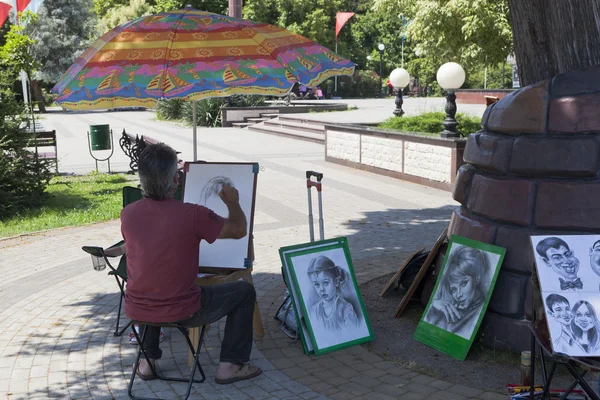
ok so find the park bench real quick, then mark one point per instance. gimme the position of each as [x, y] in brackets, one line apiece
[133, 145]
[489, 100]
[46, 139]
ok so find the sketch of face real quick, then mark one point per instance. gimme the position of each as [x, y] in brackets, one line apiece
[463, 290]
[325, 285]
[583, 318]
[563, 262]
[595, 258]
[562, 313]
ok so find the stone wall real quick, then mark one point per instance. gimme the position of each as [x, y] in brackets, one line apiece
[429, 161]
[535, 169]
[426, 160]
[477, 96]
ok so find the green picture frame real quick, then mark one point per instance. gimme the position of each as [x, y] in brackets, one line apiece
[307, 346]
[461, 296]
[332, 272]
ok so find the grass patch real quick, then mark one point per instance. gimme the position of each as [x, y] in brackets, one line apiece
[73, 201]
[430, 124]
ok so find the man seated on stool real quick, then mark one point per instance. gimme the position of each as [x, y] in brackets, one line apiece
[162, 240]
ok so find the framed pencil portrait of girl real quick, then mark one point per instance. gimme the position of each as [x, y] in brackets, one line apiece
[326, 291]
[460, 296]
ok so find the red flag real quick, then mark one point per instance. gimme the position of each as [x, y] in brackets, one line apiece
[340, 19]
[4, 11]
[22, 4]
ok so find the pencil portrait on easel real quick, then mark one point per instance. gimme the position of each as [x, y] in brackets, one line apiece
[203, 182]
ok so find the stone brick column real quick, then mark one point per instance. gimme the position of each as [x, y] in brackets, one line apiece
[534, 169]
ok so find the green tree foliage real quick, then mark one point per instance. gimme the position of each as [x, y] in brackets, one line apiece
[471, 32]
[123, 13]
[312, 19]
[102, 7]
[17, 53]
[62, 31]
[358, 38]
[214, 6]
[23, 177]
[117, 12]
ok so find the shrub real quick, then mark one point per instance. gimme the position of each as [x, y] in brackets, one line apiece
[208, 112]
[239, 100]
[432, 123]
[48, 97]
[169, 109]
[23, 177]
[363, 84]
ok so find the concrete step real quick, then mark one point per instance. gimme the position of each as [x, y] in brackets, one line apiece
[270, 115]
[301, 120]
[288, 123]
[291, 133]
[242, 125]
[257, 120]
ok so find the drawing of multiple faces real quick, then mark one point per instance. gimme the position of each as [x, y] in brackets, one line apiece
[568, 268]
[573, 324]
[562, 256]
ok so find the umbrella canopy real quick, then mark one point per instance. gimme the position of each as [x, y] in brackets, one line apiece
[192, 55]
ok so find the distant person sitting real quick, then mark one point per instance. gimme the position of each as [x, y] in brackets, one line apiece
[303, 91]
[319, 93]
[162, 238]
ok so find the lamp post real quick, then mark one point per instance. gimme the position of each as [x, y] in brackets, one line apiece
[381, 48]
[399, 78]
[450, 77]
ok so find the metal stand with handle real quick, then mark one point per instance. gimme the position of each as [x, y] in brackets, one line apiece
[309, 185]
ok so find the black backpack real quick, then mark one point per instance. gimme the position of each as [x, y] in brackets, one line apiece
[408, 275]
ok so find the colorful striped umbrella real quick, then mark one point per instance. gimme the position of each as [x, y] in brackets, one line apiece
[192, 55]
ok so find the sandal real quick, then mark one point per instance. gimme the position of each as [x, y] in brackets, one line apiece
[246, 371]
[148, 377]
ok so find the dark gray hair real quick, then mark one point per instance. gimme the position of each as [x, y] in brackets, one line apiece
[157, 166]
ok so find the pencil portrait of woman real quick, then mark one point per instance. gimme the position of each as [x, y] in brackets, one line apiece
[462, 292]
[585, 326]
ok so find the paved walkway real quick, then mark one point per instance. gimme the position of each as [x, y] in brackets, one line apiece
[56, 312]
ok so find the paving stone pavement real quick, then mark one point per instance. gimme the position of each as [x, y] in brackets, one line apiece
[57, 314]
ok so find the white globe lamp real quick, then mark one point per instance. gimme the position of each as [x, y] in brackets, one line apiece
[399, 78]
[450, 77]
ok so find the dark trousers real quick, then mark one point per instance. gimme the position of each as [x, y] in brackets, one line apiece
[236, 301]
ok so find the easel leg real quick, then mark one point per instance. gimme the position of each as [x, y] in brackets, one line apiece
[194, 335]
[582, 382]
[543, 366]
[532, 368]
[259, 330]
[546, 393]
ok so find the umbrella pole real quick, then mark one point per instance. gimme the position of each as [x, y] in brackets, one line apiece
[195, 122]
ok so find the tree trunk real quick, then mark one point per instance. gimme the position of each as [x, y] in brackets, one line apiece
[37, 95]
[235, 8]
[554, 36]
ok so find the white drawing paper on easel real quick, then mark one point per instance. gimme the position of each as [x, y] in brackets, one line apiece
[568, 269]
[203, 182]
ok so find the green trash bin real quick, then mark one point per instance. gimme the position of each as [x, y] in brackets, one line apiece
[100, 137]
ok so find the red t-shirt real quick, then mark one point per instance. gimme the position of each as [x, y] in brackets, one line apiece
[163, 243]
